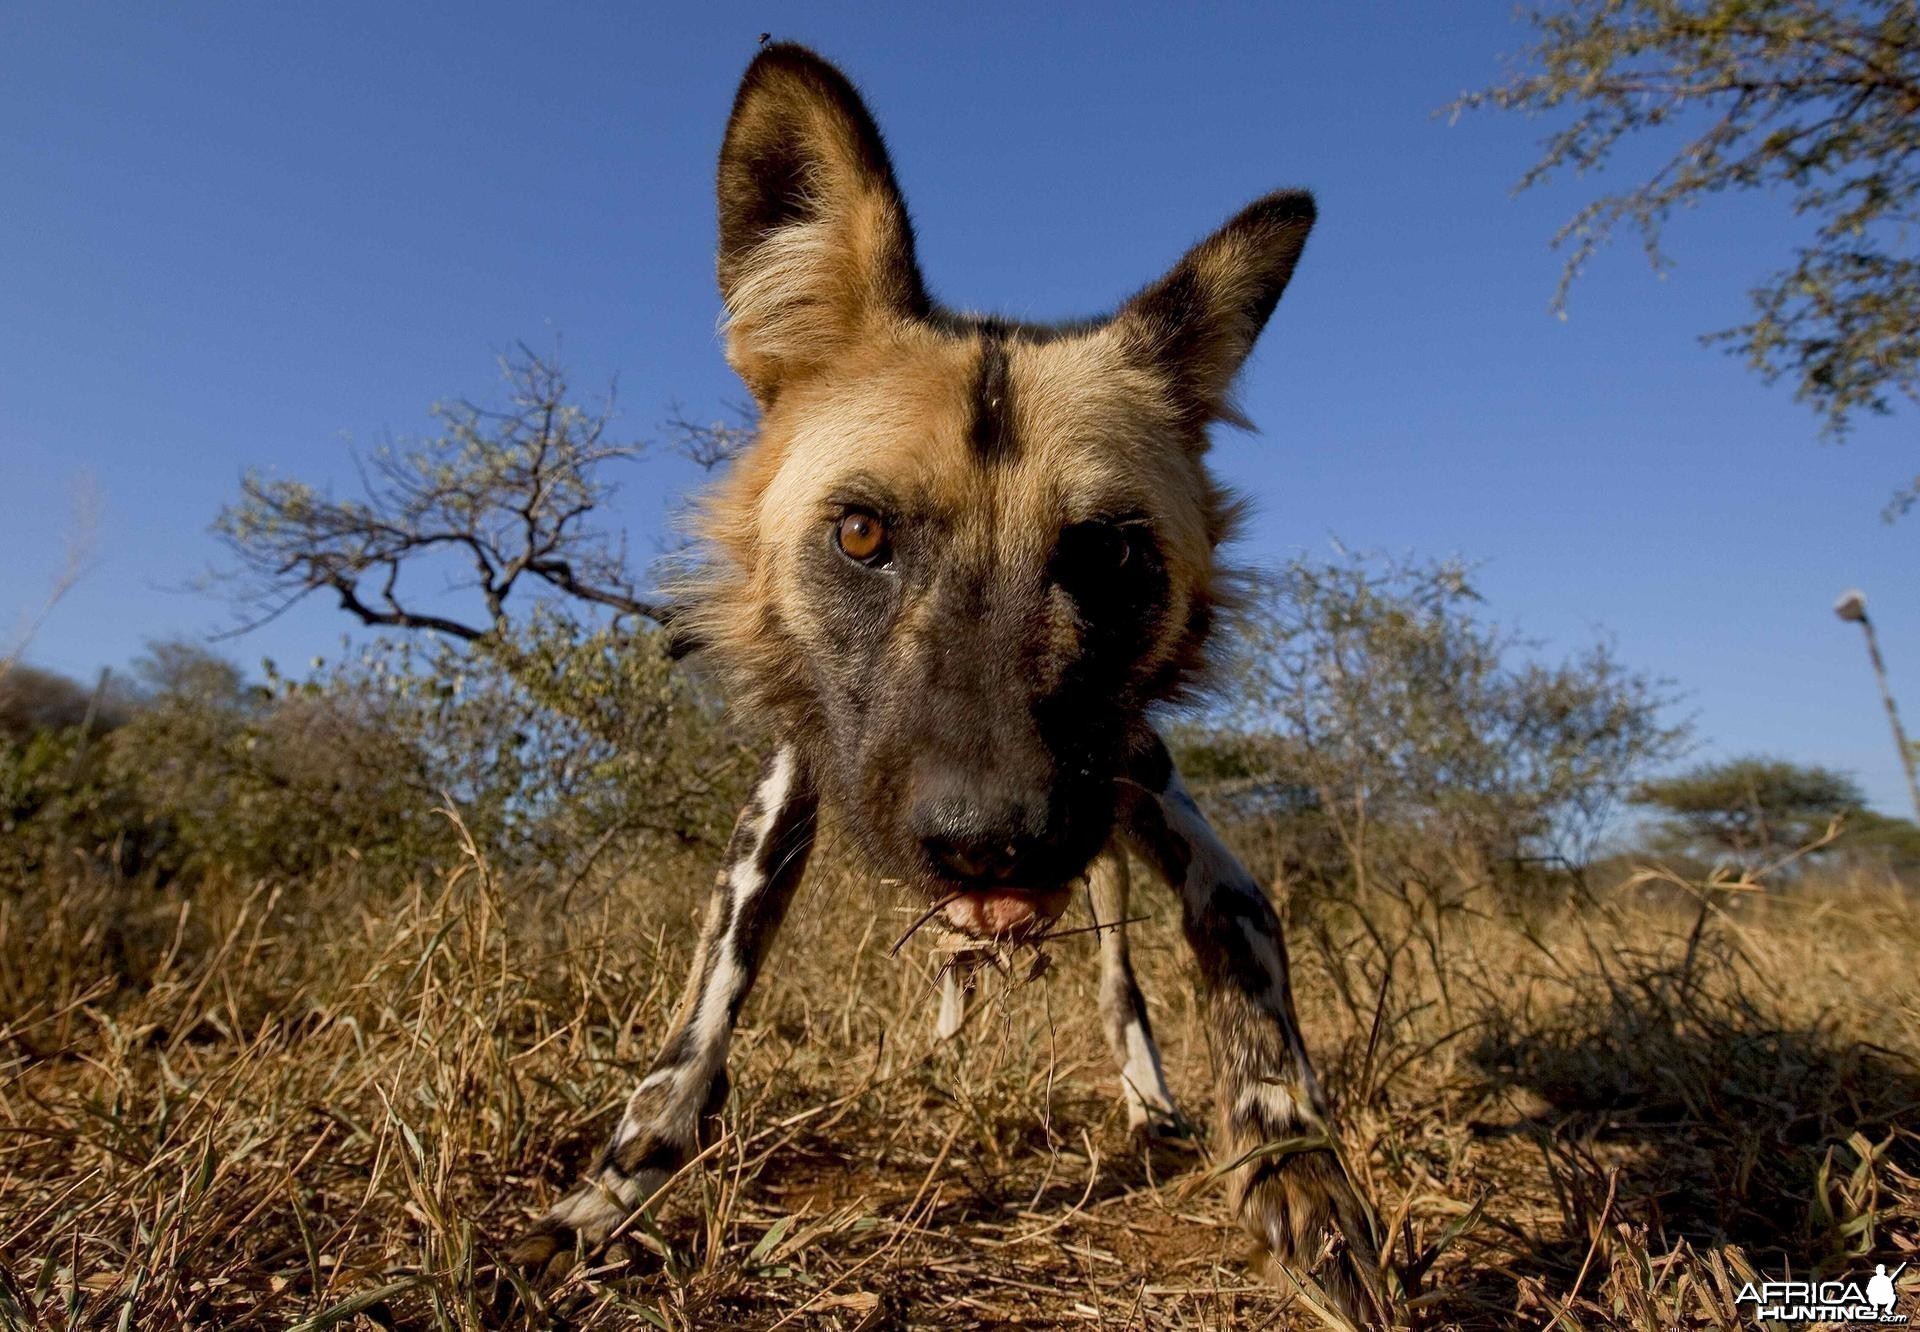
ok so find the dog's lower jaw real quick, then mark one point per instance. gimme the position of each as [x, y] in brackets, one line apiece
[1006, 914]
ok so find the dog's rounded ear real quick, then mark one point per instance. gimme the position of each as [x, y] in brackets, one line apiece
[815, 243]
[1196, 325]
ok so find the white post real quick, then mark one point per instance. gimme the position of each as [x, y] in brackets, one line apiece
[1853, 606]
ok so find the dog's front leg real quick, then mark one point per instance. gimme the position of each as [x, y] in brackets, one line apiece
[1287, 1183]
[1123, 1009]
[687, 1083]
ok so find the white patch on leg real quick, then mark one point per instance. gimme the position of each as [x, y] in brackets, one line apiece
[956, 986]
[1272, 1107]
[630, 1124]
[1146, 1084]
[600, 1206]
[773, 795]
[711, 1023]
[953, 1005]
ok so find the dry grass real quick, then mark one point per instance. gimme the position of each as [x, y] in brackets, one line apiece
[307, 1105]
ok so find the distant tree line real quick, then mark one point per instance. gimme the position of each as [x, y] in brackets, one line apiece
[1749, 812]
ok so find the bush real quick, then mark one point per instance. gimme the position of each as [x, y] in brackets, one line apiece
[558, 745]
[1367, 707]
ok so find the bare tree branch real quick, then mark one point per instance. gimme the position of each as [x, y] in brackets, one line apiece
[713, 444]
[79, 550]
[510, 492]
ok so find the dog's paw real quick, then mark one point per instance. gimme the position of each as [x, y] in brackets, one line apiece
[1307, 1216]
[584, 1220]
[545, 1250]
[1161, 1126]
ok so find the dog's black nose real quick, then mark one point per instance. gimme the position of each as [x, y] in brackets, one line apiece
[983, 862]
[979, 841]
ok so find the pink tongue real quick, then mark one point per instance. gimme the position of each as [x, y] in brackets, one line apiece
[1006, 912]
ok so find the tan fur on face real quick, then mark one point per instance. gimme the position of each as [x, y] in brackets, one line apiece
[1096, 437]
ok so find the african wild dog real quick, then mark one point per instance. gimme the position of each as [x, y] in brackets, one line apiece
[962, 559]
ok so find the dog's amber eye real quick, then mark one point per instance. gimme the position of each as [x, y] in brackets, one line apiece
[862, 536]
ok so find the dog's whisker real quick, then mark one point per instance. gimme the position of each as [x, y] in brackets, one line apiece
[1099, 928]
[914, 928]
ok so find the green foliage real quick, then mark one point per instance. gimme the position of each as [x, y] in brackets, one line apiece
[620, 740]
[51, 785]
[52, 776]
[1368, 700]
[1814, 100]
[556, 746]
[269, 780]
[1750, 810]
[33, 700]
[1881, 841]
[556, 740]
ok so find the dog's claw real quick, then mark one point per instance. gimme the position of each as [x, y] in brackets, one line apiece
[588, 1217]
[1307, 1216]
[537, 1251]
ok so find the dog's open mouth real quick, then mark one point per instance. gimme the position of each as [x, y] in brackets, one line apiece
[1007, 914]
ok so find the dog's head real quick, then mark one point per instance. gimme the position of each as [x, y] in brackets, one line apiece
[964, 556]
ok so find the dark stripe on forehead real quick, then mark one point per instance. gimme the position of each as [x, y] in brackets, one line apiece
[957, 325]
[992, 428]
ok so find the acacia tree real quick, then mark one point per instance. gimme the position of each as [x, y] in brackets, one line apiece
[1372, 697]
[1815, 99]
[1750, 810]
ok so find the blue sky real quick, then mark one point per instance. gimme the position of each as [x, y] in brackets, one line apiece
[255, 235]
